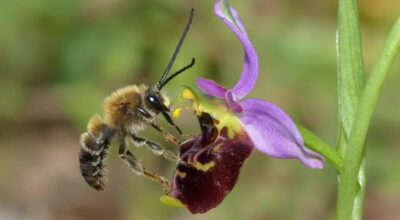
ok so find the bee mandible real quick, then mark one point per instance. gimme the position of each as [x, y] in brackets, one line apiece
[126, 112]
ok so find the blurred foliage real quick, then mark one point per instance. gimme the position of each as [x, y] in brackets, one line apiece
[58, 59]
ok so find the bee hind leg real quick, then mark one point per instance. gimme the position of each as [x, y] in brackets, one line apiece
[137, 167]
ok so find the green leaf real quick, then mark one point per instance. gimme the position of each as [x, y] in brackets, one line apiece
[349, 185]
[350, 63]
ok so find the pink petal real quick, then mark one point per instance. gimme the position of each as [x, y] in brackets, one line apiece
[274, 133]
[211, 88]
[249, 73]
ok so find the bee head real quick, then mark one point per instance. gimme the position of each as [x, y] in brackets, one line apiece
[157, 103]
[155, 100]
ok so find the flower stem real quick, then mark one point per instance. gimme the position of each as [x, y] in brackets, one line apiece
[359, 199]
[349, 185]
[313, 142]
[350, 75]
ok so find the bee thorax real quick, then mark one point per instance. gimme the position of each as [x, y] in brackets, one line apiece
[121, 106]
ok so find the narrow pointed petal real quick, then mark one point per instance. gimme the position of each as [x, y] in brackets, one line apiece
[274, 133]
[249, 73]
[211, 88]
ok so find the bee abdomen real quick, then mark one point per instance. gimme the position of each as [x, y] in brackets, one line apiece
[93, 155]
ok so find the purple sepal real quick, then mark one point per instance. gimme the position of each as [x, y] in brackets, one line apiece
[275, 134]
[249, 73]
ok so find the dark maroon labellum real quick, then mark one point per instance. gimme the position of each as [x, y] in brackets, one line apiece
[216, 161]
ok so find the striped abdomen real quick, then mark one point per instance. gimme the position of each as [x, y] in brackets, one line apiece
[93, 155]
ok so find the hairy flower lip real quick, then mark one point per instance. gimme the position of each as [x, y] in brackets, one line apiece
[217, 160]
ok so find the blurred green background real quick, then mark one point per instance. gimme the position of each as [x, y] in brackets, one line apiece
[59, 59]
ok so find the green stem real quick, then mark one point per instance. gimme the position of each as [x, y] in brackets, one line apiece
[350, 75]
[313, 142]
[359, 199]
[348, 184]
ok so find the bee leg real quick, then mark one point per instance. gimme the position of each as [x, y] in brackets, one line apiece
[157, 149]
[170, 121]
[167, 136]
[137, 167]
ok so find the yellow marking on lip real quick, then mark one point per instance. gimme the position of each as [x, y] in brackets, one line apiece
[217, 147]
[204, 167]
[177, 113]
[180, 174]
[171, 202]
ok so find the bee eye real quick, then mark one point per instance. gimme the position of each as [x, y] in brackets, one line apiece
[154, 102]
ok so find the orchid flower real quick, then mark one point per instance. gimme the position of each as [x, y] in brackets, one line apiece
[269, 127]
[231, 126]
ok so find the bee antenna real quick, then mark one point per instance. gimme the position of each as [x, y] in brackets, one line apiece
[161, 83]
[160, 86]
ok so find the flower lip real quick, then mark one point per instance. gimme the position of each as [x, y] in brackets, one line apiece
[217, 160]
[208, 130]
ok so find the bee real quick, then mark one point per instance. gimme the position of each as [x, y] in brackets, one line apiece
[126, 112]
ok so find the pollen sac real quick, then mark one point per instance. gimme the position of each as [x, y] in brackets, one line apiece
[215, 158]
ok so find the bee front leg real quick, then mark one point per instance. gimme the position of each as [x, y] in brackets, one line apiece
[170, 121]
[167, 136]
[137, 167]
